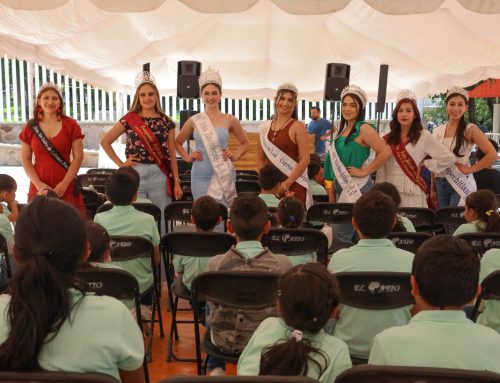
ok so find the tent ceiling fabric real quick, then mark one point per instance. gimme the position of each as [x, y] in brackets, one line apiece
[429, 45]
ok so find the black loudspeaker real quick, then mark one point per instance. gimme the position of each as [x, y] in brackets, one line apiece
[382, 88]
[188, 73]
[336, 79]
[184, 116]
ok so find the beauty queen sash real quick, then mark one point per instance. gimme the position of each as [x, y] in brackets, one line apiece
[461, 183]
[351, 186]
[283, 161]
[221, 184]
[152, 145]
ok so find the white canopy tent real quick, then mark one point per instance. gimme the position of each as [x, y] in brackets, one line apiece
[429, 45]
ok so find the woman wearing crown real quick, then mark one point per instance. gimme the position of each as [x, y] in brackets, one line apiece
[412, 147]
[212, 172]
[460, 138]
[284, 144]
[150, 144]
[56, 141]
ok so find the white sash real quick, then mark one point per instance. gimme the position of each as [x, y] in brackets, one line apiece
[351, 186]
[221, 185]
[283, 161]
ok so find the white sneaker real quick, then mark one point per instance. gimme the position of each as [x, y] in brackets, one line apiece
[146, 312]
[217, 371]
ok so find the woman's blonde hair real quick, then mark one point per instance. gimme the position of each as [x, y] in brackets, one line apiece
[136, 105]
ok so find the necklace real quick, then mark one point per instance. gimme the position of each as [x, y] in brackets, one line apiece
[275, 131]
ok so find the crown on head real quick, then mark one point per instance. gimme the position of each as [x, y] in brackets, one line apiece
[288, 86]
[210, 76]
[358, 91]
[458, 90]
[406, 94]
[144, 77]
[51, 85]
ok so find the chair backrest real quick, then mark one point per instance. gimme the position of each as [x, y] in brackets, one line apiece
[421, 217]
[197, 244]
[403, 374]
[272, 212]
[101, 171]
[408, 241]
[245, 186]
[453, 216]
[320, 198]
[148, 208]
[330, 212]
[297, 242]
[126, 247]
[375, 290]
[98, 181]
[246, 171]
[247, 177]
[240, 379]
[242, 289]
[186, 186]
[180, 211]
[54, 377]
[482, 242]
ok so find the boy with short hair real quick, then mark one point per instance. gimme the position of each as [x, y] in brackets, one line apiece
[445, 277]
[248, 220]
[374, 216]
[205, 215]
[269, 179]
[315, 174]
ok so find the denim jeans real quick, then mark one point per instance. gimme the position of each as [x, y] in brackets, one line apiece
[446, 195]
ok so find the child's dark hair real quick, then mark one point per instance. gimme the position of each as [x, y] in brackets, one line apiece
[206, 213]
[249, 216]
[130, 170]
[290, 213]
[7, 183]
[479, 153]
[375, 213]
[313, 169]
[391, 191]
[50, 241]
[269, 177]
[484, 204]
[98, 239]
[121, 188]
[307, 295]
[446, 270]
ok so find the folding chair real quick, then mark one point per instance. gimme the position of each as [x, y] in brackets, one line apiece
[125, 248]
[450, 218]
[231, 289]
[101, 171]
[240, 379]
[180, 212]
[247, 177]
[408, 241]
[97, 181]
[247, 187]
[54, 377]
[374, 291]
[320, 198]
[403, 374]
[482, 242]
[490, 290]
[246, 172]
[118, 284]
[149, 208]
[297, 242]
[192, 245]
[273, 217]
[185, 177]
[421, 217]
[186, 186]
[92, 201]
[330, 212]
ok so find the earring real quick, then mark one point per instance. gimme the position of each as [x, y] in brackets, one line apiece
[40, 113]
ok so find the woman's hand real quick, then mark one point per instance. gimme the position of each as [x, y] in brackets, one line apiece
[178, 191]
[42, 186]
[195, 156]
[131, 161]
[355, 172]
[228, 155]
[465, 169]
[60, 188]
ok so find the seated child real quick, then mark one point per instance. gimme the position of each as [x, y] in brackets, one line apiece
[374, 216]
[290, 215]
[269, 179]
[8, 208]
[248, 220]
[480, 213]
[205, 215]
[295, 343]
[315, 174]
[100, 250]
[444, 279]
[134, 173]
[124, 219]
[403, 224]
[490, 315]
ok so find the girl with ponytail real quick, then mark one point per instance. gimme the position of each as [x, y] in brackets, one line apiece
[480, 213]
[48, 322]
[295, 343]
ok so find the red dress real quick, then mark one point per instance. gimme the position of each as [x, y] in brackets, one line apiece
[48, 170]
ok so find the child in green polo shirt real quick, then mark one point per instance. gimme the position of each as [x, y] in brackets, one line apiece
[480, 213]
[445, 277]
[270, 179]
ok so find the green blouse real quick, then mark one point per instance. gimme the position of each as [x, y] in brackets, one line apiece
[350, 152]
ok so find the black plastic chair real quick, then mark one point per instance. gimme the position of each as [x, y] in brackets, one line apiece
[97, 181]
[231, 289]
[317, 198]
[482, 242]
[186, 186]
[180, 212]
[192, 245]
[55, 377]
[247, 186]
[330, 212]
[124, 248]
[272, 214]
[246, 172]
[93, 201]
[408, 241]
[149, 208]
[118, 284]
[297, 242]
[490, 290]
[101, 171]
[400, 374]
[421, 217]
[450, 218]
[240, 379]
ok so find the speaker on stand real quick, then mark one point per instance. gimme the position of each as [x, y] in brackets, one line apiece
[382, 92]
[188, 73]
[336, 79]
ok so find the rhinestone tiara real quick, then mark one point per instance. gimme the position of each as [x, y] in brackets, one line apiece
[144, 77]
[358, 91]
[458, 90]
[210, 76]
[288, 86]
[50, 85]
[406, 94]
